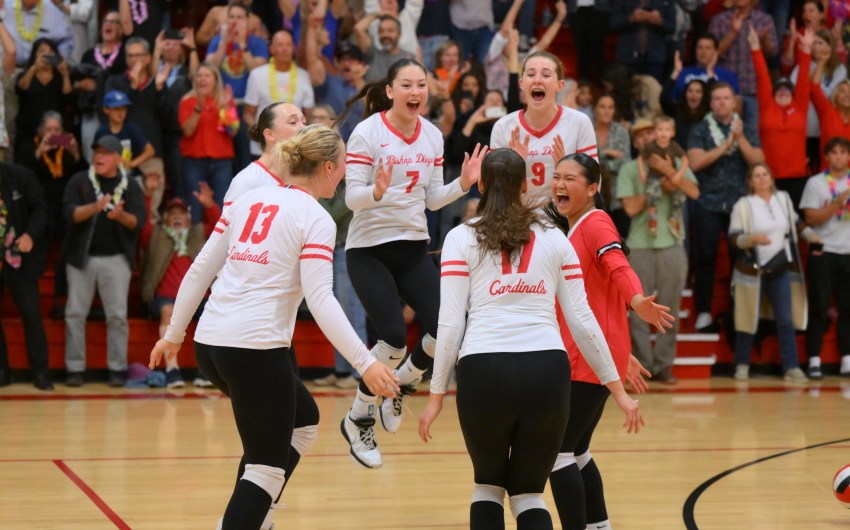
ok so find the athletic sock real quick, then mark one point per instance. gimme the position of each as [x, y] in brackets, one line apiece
[534, 519]
[601, 525]
[486, 515]
[408, 374]
[364, 405]
[594, 492]
[814, 362]
[568, 492]
[247, 508]
[845, 364]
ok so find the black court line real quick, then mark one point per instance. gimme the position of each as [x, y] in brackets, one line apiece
[691, 502]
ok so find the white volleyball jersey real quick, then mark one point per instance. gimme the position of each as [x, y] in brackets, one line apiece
[255, 175]
[575, 129]
[417, 181]
[492, 303]
[273, 246]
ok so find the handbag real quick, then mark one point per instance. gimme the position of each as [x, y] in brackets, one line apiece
[776, 266]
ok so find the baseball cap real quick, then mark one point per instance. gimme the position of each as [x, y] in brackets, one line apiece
[176, 202]
[115, 98]
[641, 124]
[783, 82]
[346, 49]
[108, 142]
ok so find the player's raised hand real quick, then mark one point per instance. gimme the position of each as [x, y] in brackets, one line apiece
[519, 145]
[382, 179]
[470, 171]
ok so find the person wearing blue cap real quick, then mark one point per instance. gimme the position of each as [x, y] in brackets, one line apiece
[135, 147]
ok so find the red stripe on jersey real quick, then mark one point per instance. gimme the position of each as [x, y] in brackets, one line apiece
[408, 141]
[506, 262]
[568, 267]
[228, 203]
[454, 273]
[280, 180]
[362, 157]
[449, 263]
[358, 162]
[586, 149]
[525, 257]
[316, 256]
[323, 247]
[219, 230]
[573, 277]
[540, 134]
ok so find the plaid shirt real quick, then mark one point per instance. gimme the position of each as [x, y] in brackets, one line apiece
[738, 57]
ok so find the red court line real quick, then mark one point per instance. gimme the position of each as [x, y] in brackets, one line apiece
[107, 511]
[400, 453]
[214, 394]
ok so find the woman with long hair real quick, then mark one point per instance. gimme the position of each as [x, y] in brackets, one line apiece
[612, 287]
[502, 273]
[765, 227]
[395, 171]
[43, 85]
[208, 119]
[828, 73]
[272, 248]
[536, 130]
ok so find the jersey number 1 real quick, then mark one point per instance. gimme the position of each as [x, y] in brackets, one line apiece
[524, 258]
[265, 225]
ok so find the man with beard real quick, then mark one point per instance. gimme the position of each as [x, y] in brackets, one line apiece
[171, 247]
[379, 60]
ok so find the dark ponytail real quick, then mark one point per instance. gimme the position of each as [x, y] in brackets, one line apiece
[265, 121]
[504, 221]
[376, 92]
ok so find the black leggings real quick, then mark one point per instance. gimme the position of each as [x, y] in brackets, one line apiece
[385, 274]
[513, 410]
[268, 402]
[578, 493]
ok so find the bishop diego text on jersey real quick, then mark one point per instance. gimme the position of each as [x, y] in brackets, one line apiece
[405, 160]
[496, 288]
[247, 255]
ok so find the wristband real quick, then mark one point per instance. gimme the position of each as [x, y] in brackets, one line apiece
[192, 50]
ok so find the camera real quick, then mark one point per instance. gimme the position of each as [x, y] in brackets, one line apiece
[173, 34]
[62, 140]
[53, 59]
[85, 71]
[494, 113]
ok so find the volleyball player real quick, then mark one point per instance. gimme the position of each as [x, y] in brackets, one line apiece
[277, 123]
[612, 287]
[273, 246]
[504, 269]
[543, 123]
[387, 240]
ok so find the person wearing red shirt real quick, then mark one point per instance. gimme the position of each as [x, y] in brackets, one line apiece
[782, 117]
[208, 119]
[612, 288]
[833, 112]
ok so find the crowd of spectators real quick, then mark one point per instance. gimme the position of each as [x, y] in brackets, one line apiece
[120, 123]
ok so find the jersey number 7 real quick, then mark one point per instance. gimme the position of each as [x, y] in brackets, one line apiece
[265, 225]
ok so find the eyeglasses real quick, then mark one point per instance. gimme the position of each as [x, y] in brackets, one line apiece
[111, 21]
[134, 55]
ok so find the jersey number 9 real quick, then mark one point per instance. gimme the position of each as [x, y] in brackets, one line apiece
[538, 169]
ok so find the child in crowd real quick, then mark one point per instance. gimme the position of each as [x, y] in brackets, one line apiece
[584, 98]
[136, 148]
[170, 248]
[666, 147]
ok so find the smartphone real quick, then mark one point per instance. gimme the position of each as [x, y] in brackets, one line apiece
[494, 113]
[53, 59]
[173, 34]
[62, 140]
[816, 247]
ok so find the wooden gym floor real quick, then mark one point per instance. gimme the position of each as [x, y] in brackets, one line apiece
[712, 456]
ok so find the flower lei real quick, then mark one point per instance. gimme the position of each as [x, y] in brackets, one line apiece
[4, 214]
[179, 239]
[28, 35]
[116, 194]
[106, 62]
[139, 11]
[717, 134]
[55, 165]
[273, 90]
[844, 213]
[228, 120]
[234, 59]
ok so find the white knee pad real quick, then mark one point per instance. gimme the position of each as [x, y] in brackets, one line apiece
[583, 459]
[429, 345]
[269, 478]
[527, 501]
[388, 355]
[563, 460]
[489, 493]
[303, 438]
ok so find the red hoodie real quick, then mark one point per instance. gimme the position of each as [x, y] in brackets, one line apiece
[782, 130]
